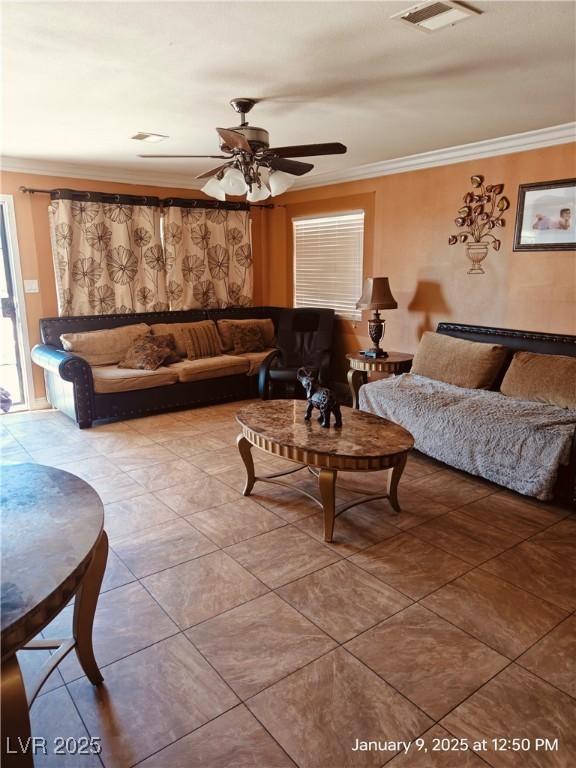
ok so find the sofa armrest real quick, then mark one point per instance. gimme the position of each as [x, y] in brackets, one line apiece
[264, 373]
[76, 398]
[67, 365]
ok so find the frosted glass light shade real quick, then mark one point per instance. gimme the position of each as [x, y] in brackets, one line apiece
[279, 182]
[233, 182]
[263, 174]
[214, 188]
[258, 193]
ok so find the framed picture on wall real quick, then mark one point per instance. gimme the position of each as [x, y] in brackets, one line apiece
[546, 216]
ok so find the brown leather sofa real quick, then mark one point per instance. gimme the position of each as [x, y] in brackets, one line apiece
[88, 393]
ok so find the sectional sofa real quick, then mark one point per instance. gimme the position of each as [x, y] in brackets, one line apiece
[88, 392]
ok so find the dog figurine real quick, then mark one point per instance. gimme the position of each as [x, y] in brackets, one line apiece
[321, 398]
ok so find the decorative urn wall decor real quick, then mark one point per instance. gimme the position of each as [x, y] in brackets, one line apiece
[481, 213]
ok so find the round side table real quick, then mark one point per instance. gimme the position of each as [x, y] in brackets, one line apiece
[54, 547]
[360, 366]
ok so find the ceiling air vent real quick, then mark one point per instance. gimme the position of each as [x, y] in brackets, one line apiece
[430, 17]
[153, 138]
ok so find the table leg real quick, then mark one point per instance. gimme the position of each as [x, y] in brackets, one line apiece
[355, 380]
[327, 484]
[85, 608]
[393, 480]
[245, 448]
[16, 737]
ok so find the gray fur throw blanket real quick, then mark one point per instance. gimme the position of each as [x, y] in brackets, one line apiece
[516, 443]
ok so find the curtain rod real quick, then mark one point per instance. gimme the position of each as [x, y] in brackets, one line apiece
[33, 191]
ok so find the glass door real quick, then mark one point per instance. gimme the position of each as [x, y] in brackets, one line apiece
[11, 378]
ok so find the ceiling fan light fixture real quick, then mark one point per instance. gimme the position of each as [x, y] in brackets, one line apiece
[258, 193]
[213, 188]
[279, 182]
[252, 167]
[233, 182]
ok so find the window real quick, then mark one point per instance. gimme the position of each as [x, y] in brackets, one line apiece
[328, 254]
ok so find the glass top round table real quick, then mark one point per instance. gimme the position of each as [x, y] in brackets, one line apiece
[53, 548]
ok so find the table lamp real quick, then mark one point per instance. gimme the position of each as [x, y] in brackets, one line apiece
[376, 295]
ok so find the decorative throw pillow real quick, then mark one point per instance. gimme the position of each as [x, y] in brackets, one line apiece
[247, 338]
[146, 354]
[176, 329]
[201, 340]
[469, 364]
[547, 379]
[168, 340]
[226, 329]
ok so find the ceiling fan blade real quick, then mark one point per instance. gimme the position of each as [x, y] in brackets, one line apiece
[212, 171]
[294, 167]
[216, 157]
[233, 139]
[309, 150]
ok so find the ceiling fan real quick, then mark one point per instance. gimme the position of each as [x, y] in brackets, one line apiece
[252, 167]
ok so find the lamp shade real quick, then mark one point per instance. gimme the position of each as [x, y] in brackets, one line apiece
[256, 194]
[214, 189]
[376, 294]
[279, 182]
[233, 182]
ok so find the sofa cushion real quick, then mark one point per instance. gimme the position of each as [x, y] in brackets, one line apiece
[110, 378]
[247, 338]
[149, 352]
[201, 340]
[255, 359]
[105, 346]
[226, 327]
[177, 329]
[209, 368]
[543, 378]
[469, 364]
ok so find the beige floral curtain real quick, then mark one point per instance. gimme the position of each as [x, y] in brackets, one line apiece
[108, 255]
[208, 254]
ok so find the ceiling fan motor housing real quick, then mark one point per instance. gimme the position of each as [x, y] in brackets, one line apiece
[258, 138]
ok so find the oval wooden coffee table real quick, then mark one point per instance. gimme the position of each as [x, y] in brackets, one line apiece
[53, 547]
[364, 443]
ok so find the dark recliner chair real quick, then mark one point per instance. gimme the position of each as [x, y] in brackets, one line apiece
[304, 339]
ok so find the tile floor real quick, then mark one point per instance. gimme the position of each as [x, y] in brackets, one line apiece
[231, 636]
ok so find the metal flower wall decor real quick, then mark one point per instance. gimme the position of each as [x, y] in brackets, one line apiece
[481, 213]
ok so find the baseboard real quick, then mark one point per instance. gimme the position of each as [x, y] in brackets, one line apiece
[39, 404]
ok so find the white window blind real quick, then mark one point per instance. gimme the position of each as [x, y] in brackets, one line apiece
[328, 253]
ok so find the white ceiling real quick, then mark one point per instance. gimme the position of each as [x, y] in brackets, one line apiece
[80, 78]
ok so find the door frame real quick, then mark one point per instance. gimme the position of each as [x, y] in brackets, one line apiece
[7, 202]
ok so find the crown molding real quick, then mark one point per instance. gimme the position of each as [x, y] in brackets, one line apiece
[518, 142]
[504, 145]
[97, 173]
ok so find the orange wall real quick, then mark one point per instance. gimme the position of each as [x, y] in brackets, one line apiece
[35, 249]
[409, 217]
